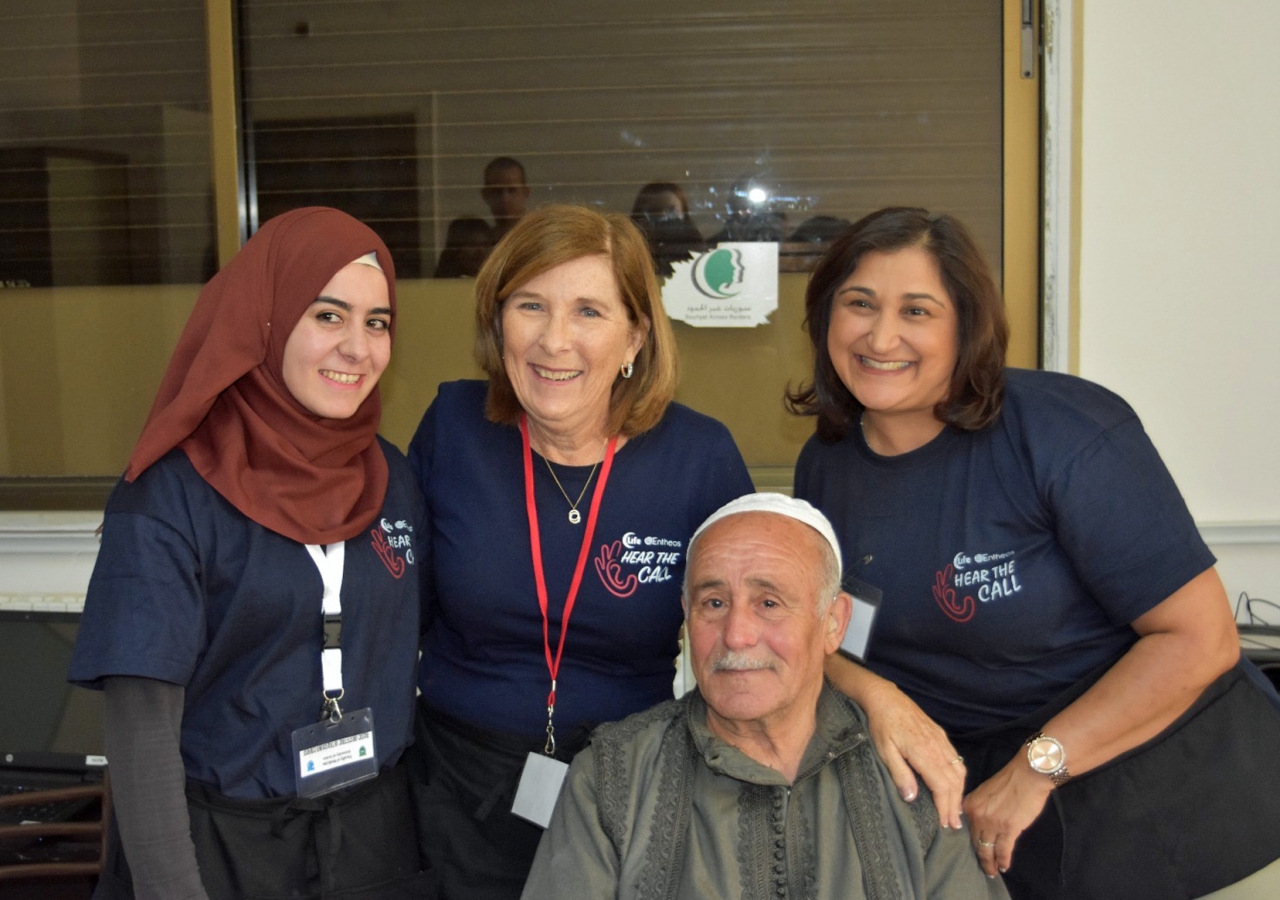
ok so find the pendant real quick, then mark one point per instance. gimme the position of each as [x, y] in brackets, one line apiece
[574, 516]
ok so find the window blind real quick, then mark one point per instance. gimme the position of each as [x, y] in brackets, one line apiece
[831, 109]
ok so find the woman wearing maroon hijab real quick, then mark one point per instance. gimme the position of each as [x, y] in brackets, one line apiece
[253, 613]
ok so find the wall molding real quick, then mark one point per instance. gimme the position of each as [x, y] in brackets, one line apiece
[48, 533]
[53, 552]
[1223, 533]
[47, 553]
[23, 535]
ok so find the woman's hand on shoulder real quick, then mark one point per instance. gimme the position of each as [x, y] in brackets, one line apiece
[910, 743]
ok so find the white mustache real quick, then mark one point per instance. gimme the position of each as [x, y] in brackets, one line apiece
[739, 661]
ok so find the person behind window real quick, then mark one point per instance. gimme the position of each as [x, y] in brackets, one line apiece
[561, 496]
[751, 216]
[1048, 600]
[811, 239]
[763, 775]
[467, 244]
[260, 517]
[661, 212]
[506, 193]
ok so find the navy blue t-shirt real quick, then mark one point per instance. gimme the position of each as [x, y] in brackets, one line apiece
[1012, 559]
[188, 590]
[483, 659]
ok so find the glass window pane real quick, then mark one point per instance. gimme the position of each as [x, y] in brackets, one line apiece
[104, 143]
[827, 109]
[392, 109]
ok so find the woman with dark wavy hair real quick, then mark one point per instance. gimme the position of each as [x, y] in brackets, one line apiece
[661, 212]
[1051, 618]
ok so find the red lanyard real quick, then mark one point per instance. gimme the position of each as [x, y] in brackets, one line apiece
[535, 541]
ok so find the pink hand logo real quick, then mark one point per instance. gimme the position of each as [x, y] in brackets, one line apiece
[610, 571]
[394, 564]
[945, 594]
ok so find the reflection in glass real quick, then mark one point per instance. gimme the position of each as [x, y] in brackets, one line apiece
[821, 109]
[104, 144]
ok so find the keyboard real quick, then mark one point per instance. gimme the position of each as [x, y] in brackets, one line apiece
[41, 811]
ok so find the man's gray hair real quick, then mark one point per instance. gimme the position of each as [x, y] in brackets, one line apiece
[792, 508]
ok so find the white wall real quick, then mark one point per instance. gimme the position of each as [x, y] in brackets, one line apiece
[1180, 235]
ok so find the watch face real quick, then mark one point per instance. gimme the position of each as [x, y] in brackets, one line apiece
[1046, 755]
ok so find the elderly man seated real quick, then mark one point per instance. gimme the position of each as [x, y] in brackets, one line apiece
[763, 782]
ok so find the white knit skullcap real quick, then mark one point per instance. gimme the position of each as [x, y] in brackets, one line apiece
[783, 506]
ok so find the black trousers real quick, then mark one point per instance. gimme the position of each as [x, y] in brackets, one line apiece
[464, 781]
[358, 843]
[1191, 811]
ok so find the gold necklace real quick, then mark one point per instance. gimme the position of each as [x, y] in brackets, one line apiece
[574, 516]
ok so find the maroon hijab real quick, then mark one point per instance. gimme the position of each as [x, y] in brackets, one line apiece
[223, 399]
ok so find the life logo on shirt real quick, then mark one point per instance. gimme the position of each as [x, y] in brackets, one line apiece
[393, 542]
[990, 576]
[625, 564]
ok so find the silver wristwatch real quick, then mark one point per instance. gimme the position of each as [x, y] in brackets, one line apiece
[1048, 757]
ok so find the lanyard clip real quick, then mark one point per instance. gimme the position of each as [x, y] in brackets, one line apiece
[330, 709]
[549, 748]
[332, 632]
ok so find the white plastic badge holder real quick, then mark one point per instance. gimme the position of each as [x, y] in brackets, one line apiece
[540, 784]
[330, 755]
[866, 603]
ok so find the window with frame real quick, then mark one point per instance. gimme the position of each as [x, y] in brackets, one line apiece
[391, 109]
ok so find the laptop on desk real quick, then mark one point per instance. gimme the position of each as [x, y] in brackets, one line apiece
[50, 731]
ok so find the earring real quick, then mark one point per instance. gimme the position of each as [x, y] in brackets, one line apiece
[627, 369]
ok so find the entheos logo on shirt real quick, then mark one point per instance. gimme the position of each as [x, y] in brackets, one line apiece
[393, 542]
[625, 564]
[989, 576]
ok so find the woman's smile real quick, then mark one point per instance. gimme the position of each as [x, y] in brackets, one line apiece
[894, 339]
[566, 334]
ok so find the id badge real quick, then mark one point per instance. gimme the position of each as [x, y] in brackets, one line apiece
[331, 755]
[866, 603]
[540, 784]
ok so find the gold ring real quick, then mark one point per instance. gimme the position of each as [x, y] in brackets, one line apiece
[986, 843]
[958, 760]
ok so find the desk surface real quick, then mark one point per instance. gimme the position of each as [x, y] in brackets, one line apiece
[1259, 637]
